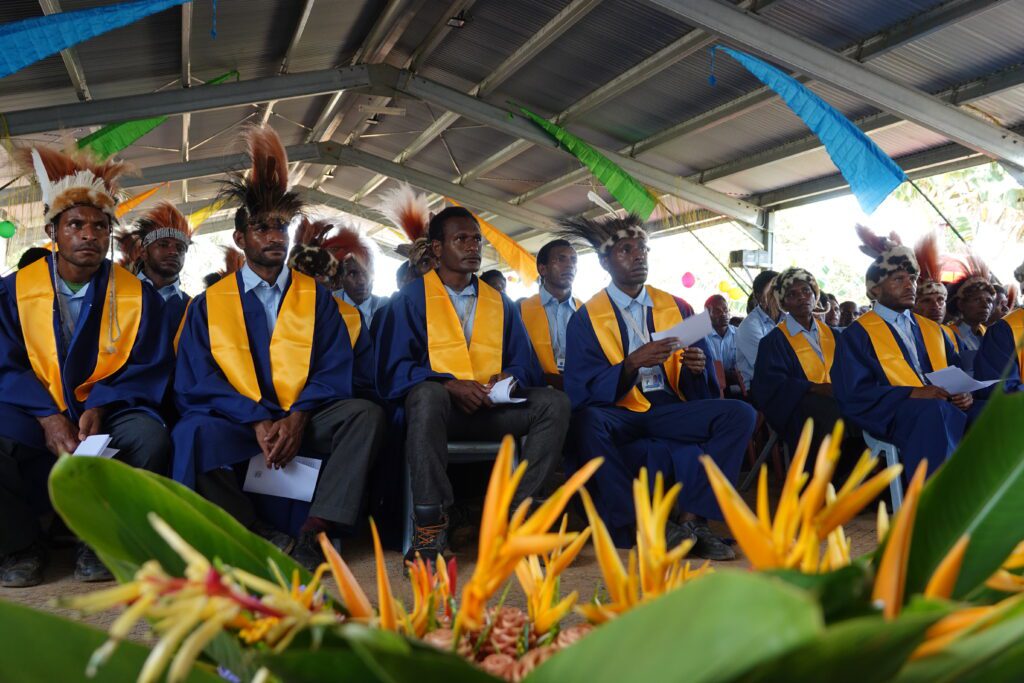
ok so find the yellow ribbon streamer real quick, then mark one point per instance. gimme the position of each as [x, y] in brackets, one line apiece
[510, 251]
[130, 203]
[200, 216]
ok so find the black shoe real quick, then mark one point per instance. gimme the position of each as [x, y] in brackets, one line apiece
[88, 568]
[708, 546]
[23, 568]
[429, 541]
[307, 551]
[677, 533]
[280, 539]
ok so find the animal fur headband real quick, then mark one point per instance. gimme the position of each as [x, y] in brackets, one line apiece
[789, 277]
[603, 234]
[163, 221]
[75, 179]
[889, 254]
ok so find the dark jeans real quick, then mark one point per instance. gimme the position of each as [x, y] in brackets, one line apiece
[432, 419]
[143, 443]
[351, 433]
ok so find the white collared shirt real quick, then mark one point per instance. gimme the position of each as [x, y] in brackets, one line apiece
[269, 295]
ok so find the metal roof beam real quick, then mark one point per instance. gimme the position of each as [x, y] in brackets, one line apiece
[538, 42]
[825, 65]
[289, 54]
[186, 82]
[169, 102]
[69, 56]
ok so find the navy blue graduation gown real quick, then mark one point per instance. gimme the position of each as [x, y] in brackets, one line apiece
[998, 354]
[216, 425]
[138, 385]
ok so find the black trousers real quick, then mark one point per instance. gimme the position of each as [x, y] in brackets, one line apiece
[824, 410]
[350, 431]
[143, 443]
[432, 419]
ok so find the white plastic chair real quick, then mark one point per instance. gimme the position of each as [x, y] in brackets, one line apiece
[892, 457]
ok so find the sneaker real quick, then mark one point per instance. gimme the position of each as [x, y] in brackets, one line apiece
[307, 551]
[708, 546]
[89, 568]
[279, 539]
[23, 568]
[429, 541]
[677, 533]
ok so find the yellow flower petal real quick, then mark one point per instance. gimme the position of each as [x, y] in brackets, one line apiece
[745, 526]
[891, 575]
[882, 522]
[850, 502]
[356, 602]
[941, 584]
[607, 556]
[763, 513]
[385, 598]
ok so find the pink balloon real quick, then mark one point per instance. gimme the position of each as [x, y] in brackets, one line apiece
[689, 280]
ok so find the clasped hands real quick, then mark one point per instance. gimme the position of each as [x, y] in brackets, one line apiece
[280, 439]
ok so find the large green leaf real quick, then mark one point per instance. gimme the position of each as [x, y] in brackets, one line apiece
[37, 646]
[713, 629]
[980, 491]
[852, 651]
[106, 503]
[842, 594]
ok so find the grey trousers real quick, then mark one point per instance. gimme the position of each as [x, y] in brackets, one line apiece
[432, 419]
[351, 431]
[143, 443]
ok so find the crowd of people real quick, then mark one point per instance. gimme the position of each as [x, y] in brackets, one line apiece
[288, 353]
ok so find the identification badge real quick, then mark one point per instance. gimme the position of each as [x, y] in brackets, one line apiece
[560, 364]
[650, 380]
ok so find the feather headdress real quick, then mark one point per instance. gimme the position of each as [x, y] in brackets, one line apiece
[130, 246]
[603, 233]
[233, 261]
[889, 254]
[927, 253]
[308, 255]
[263, 196]
[161, 221]
[409, 212]
[976, 277]
[73, 179]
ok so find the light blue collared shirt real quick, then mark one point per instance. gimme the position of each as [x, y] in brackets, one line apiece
[751, 331]
[637, 309]
[167, 292]
[73, 301]
[723, 347]
[970, 344]
[558, 313]
[269, 295]
[904, 323]
[465, 307]
[813, 336]
[368, 308]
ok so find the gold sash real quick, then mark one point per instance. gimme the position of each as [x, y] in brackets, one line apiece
[291, 345]
[34, 285]
[898, 371]
[606, 327]
[535, 318]
[1015, 319]
[814, 369]
[353, 321]
[181, 326]
[953, 336]
[446, 342]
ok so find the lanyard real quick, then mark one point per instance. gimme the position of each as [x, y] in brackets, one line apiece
[641, 331]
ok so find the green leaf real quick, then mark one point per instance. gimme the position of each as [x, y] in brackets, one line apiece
[106, 503]
[856, 650]
[842, 594]
[633, 196]
[712, 629]
[38, 646]
[980, 491]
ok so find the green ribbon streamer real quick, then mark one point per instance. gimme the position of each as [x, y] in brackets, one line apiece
[112, 139]
[632, 195]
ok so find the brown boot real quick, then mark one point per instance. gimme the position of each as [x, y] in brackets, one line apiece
[429, 534]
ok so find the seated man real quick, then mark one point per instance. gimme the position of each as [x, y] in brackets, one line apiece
[881, 361]
[626, 387]
[265, 365]
[82, 352]
[848, 313]
[971, 301]
[496, 279]
[163, 236]
[445, 339]
[931, 292]
[999, 352]
[354, 254]
[722, 343]
[759, 322]
[1001, 305]
[547, 313]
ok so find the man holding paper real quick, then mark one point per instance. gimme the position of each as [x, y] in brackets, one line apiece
[445, 341]
[265, 369]
[626, 385]
[882, 360]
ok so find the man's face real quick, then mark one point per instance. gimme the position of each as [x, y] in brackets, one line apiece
[847, 313]
[718, 309]
[999, 309]
[799, 300]
[459, 250]
[357, 281]
[166, 257]
[264, 244]
[932, 306]
[898, 291]
[976, 307]
[832, 314]
[626, 261]
[82, 235]
[560, 270]
[498, 282]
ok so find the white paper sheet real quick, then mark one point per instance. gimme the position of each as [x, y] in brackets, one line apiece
[296, 480]
[95, 446]
[501, 392]
[956, 381]
[691, 330]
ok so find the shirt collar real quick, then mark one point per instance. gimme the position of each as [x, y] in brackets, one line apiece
[623, 300]
[470, 290]
[173, 287]
[890, 316]
[250, 280]
[763, 314]
[546, 298]
[66, 291]
[796, 328]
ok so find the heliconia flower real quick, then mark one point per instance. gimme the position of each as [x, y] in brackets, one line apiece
[385, 598]
[352, 594]
[943, 580]
[543, 603]
[891, 575]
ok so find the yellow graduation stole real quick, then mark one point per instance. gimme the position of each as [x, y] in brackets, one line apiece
[606, 327]
[816, 370]
[181, 326]
[446, 342]
[1015, 319]
[536, 321]
[897, 370]
[291, 345]
[34, 285]
[953, 336]
[353, 321]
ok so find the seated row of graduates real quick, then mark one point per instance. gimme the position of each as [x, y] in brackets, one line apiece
[268, 361]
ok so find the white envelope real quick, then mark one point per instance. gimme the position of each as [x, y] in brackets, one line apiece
[690, 330]
[501, 392]
[95, 446]
[296, 480]
[956, 381]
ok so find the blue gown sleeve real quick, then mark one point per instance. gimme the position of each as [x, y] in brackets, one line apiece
[331, 362]
[519, 360]
[997, 354]
[589, 379]
[859, 384]
[698, 386]
[779, 382]
[18, 382]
